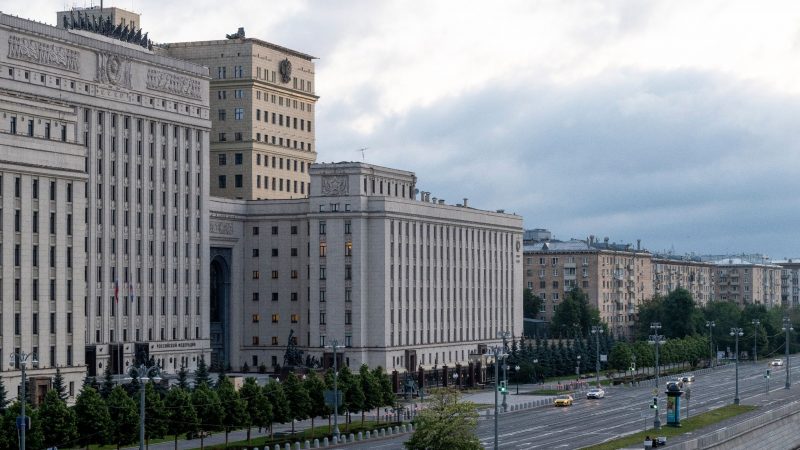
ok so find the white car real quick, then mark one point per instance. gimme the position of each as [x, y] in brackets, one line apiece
[688, 378]
[777, 362]
[595, 393]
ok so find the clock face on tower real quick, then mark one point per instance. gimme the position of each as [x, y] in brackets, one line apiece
[285, 69]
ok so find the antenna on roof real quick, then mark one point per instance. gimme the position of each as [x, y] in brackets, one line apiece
[362, 150]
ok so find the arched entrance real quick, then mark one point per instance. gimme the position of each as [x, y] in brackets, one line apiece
[219, 300]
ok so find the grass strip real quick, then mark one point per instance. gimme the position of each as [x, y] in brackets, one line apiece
[693, 423]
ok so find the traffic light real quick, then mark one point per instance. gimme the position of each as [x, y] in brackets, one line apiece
[503, 388]
[655, 403]
[767, 375]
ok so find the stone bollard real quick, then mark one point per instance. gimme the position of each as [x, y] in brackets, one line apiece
[360, 436]
[288, 446]
[410, 427]
[325, 442]
[396, 430]
[307, 444]
[368, 434]
[351, 438]
[297, 445]
[277, 447]
[316, 443]
[380, 432]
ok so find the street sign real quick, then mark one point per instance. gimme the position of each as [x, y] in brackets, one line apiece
[20, 421]
[603, 358]
[330, 398]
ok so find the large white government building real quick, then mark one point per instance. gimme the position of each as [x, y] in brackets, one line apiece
[113, 252]
[397, 279]
[105, 200]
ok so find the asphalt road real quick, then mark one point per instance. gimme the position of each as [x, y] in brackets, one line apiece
[624, 410]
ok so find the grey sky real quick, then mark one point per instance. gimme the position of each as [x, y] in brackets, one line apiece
[670, 121]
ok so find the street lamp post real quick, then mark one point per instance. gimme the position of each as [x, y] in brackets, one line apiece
[755, 323]
[657, 340]
[22, 358]
[335, 345]
[596, 330]
[710, 325]
[737, 332]
[505, 335]
[787, 327]
[455, 380]
[499, 355]
[578, 368]
[516, 373]
[143, 372]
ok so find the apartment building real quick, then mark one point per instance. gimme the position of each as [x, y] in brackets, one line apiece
[671, 272]
[790, 282]
[262, 104]
[617, 278]
[744, 282]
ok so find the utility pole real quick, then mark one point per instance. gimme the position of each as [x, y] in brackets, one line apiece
[505, 335]
[755, 323]
[144, 372]
[22, 358]
[335, 345]
[787, 327]
[710, 325]
[596, 330]
[736, 332]
[499, 356]
[657, 340]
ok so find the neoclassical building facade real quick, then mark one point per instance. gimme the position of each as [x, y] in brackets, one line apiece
[398, 280]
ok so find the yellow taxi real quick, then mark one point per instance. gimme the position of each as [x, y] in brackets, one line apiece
[563, 400]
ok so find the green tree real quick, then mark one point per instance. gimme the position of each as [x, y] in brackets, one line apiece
[233, 406]
[124, 417]
[201, 374]
[3, 397]
[280, 405]
[350, 386]
[182, 418]
[621, 356]
[58, 385]
[34, 438]
[108, 383]
[258, 407]
[531, 304]
[574, 315]
[183, 377]
[155, 414]
[298, 398]
[371, 389]
[316, 396]
[446, 423]
[58, 421]
[92, 418]
[209, 411]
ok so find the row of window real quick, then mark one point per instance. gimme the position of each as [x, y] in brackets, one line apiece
[35, 189]
[35, 290]
[34, 224]
[295, 318]
[277, 162]
[122, 301]
[278, 184]
[44, 133]
[275, 296]
[277, 119]
[35, 323]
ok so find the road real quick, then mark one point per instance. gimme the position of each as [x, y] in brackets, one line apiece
[621, 412]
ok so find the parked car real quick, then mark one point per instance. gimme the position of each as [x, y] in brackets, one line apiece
[688, 379]
[595, 393]
[563, 400]
[777, 362]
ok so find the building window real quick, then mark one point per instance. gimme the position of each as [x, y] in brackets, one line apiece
[274, 231]
[221, 114]
[274, 296]
[323, 250]
[238, 93]
[294, 296]
[255, 296]
[255, 253]
[295, 318]
[222, 181]
[294, 274]
[348, 317]
[237, 159]
[274, 274]
[276, 318]
[221, 73]
[223, 159]
[256, 274]
[321, 272]
[274, 342]
[238, 114]
[321, 227]
[274, 252]
[238, 72]
[237, 180]
[255, 340]
[255, 233]
[256, 318]
[322, 318]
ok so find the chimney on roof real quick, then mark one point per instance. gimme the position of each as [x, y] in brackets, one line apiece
[638, 244]
[465, 202]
